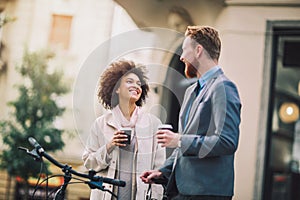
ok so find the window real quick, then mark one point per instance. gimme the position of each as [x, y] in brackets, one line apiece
[60, 31]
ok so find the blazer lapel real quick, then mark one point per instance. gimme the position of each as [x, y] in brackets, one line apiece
[185, 105]
[200, 97]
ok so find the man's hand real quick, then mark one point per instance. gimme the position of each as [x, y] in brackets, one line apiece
[148, 176]
[167, 138]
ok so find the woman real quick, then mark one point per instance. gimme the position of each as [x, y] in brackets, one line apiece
[123, 89]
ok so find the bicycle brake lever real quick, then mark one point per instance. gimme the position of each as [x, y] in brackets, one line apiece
[32, 153]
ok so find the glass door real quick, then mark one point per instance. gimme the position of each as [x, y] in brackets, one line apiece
[282, 178]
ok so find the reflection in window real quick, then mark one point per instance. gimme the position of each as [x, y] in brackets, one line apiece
[283, 172]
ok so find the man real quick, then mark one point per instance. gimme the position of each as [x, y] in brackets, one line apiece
[202, 165]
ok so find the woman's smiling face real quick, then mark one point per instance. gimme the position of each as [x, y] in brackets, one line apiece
[130, 88]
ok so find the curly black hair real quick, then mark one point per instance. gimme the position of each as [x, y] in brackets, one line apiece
[110, 81]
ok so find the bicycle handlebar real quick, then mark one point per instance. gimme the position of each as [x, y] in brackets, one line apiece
[41, 152]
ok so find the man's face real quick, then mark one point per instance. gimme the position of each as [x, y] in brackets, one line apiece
[188, 56]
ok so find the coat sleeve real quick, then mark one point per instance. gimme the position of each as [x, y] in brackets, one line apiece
[159, 153]
[159, 157]
[166, 168]
[95, 155]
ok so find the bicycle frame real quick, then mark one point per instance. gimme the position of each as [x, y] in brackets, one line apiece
[94, 182]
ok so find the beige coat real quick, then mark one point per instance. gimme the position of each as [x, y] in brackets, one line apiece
[150, 155]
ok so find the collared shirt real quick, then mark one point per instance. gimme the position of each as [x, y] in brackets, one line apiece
[207, 75]
[201, 82]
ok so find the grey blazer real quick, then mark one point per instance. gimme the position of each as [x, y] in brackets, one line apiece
[204, 164]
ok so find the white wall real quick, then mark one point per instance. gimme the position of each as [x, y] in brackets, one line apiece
[91, 26]
[243, 31]
[94, 23]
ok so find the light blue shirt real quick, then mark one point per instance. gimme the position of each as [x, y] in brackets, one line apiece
[202, 81]
[207, 75]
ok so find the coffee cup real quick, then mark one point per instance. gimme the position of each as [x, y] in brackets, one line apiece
[127, 131]
[165, 127]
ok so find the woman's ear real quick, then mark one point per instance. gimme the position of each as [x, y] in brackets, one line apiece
[118, 90]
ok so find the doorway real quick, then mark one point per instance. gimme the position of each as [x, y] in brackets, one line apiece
[281, 178]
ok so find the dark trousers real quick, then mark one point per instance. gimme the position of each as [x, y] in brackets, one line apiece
[200, 197]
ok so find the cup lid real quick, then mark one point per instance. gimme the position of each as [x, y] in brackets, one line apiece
[165, 126]
[125, 128]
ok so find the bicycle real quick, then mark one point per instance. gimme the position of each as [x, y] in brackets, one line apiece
[95, 182]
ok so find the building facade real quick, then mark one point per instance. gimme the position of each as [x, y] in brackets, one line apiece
[260, 45]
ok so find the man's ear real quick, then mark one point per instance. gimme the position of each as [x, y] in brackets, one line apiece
[199, 50]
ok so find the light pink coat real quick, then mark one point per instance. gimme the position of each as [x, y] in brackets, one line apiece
[150, 155]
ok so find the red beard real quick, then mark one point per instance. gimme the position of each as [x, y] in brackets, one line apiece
[190, 71]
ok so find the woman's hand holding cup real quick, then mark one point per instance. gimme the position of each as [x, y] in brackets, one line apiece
[121, 138]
